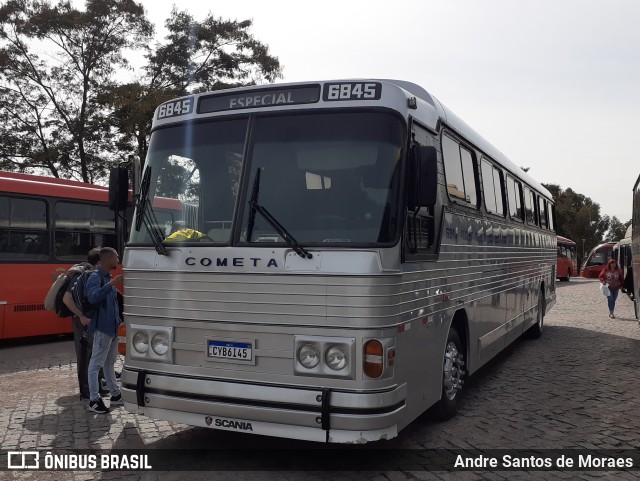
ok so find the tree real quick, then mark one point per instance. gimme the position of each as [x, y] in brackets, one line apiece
[617, 230]
[578, 217]
[51, 97]
[64, 110]
[196, 56]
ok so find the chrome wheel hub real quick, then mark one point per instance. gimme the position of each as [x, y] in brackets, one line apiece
[453, 370]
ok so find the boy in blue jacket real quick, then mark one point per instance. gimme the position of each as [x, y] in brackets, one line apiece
[104, 324]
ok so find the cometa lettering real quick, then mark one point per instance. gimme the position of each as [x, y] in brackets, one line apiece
[233, 261]
[281, 98]
[225, 423]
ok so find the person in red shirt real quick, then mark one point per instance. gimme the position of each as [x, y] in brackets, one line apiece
[612, 277]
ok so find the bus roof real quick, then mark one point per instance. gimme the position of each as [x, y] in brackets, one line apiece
[17, 183]
[565, 241]
[429, 111]
[49, 186]
[462, 128]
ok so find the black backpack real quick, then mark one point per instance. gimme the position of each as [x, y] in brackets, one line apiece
[79, 293]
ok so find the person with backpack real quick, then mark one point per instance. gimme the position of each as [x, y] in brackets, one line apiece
[101, 293]
[81, 339]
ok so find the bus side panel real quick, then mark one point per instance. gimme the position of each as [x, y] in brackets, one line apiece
[421, 339]
[563, 267]
[24, 293]
[495, 272]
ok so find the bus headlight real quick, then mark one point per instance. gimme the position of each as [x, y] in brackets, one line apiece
[324, 356]
[141, 342]
[336, 358]
[160, 344]
[308, 356]
[149, 343]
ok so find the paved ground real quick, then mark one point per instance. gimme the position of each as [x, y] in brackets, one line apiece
[576, 387]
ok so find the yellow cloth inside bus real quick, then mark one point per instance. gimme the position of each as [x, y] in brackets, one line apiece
[183, 235]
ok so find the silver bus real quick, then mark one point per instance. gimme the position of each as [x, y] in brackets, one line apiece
[347, 253]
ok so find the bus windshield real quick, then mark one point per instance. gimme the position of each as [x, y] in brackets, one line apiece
[327, 178]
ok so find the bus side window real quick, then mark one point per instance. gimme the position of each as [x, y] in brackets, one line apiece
[78, 227]
[551, 211]
[4, 212]
[459, 171]
[492, 188]
[530, 207]
[543, 212]
[23, 229]
[498, 185]
[514, 191]
[488, 189]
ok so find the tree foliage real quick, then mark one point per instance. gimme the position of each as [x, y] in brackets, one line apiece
[66, 104]
[196, 56]
[54, 60]
[578, 217]
[617, 230]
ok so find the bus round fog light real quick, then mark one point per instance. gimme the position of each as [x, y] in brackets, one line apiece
[336, 358]
[160, 344]
[308, 356]
[141, 342]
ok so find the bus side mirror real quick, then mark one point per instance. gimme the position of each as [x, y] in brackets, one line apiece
[118, 189]
[423, 177]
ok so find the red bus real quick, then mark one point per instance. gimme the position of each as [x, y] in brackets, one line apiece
[597, 260]
[567, 259]
[47, 225]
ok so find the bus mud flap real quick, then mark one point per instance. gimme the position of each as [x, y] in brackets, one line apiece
[326, 409]
[142, 376]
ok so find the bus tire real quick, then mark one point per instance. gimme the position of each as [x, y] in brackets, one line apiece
[452, 378]
[535, 331]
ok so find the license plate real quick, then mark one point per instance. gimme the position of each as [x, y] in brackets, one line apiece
[230, 350]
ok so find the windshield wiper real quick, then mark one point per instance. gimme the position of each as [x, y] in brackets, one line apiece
[142, 197]
[255, 207]
[143, 214]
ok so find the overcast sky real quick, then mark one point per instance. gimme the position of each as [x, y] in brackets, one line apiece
[553, 84]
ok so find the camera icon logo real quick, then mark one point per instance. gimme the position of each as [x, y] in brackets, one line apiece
[23, 460]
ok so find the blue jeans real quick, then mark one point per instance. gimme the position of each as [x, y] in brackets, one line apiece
[103, 355]
[611, 299]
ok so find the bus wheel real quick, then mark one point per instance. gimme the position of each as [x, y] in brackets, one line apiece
[452, 379]
[535, 331]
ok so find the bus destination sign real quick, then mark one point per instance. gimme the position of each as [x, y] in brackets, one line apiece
[276, 97]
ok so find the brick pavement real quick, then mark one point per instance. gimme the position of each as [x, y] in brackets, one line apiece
[576, 387]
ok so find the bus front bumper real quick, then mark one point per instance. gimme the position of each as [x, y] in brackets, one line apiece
[308, 413]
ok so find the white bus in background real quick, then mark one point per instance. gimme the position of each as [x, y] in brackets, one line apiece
[635, 248]
[357, 251]
[622, 254]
